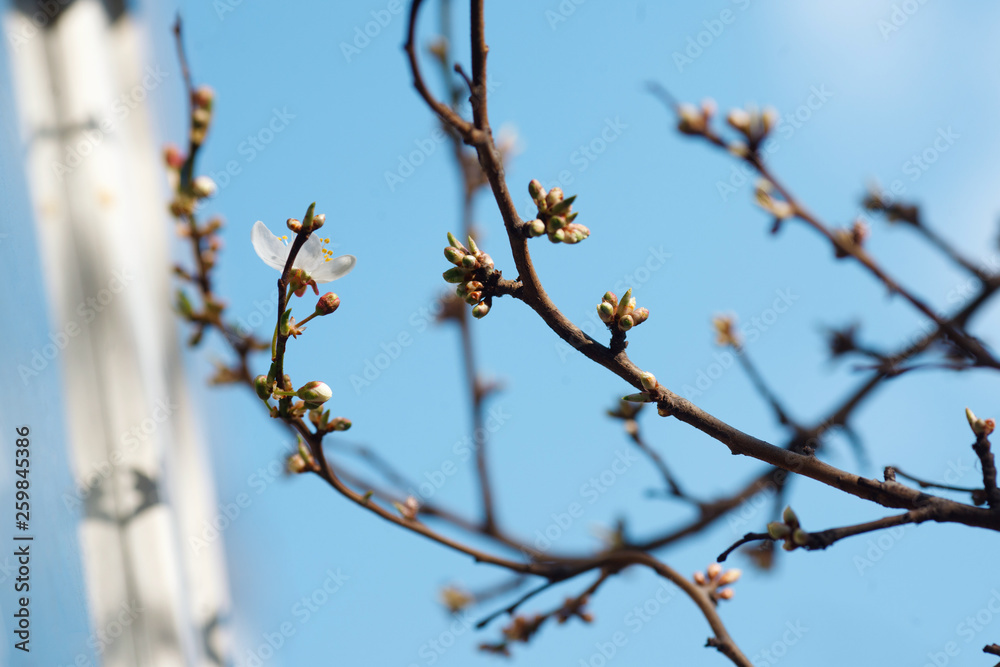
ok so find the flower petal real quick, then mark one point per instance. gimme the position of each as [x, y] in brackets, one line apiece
[338, 267]
[310, 255]
[268, 246]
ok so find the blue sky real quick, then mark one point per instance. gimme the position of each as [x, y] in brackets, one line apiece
[299, 118]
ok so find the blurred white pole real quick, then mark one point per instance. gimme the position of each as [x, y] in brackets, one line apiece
[143, 479]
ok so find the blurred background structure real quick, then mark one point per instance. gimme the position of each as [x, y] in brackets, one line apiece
[140, 479]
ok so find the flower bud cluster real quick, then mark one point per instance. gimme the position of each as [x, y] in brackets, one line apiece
[201, 113]
[753, 124]
[713, 580]
[409, 509]
[726, 332]
[850, 240]
[695, 120]
[324, 424]
[555, 217]
[470, 264]
[789, 530]
[981, 427]
[301, 461]
[765, 196]
[623, 314]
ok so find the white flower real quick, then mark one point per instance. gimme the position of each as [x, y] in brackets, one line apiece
[313, 258]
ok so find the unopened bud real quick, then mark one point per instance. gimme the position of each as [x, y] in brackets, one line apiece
[606, 312]
[480, 310]
[611, 298]
[173, 157]
[473, 248]
[262, 387]
[536, 191]
[727, 593]
[739, 119]
[979, 426]
[455, 275]
[778, 530]
[690, 119]
[469, 262]
[314, 393]
[554, 196]
[639, 315]
[788, 516]
[648, 381]
[453, 255]
[729, 576]
[339, 424]
[203, 97]
[318, 221]
[455, 243]
[296, 464]
[327, 303]
[536, 228]
[623, 305]
[626, 323]
[203, 186]
[713, 570]
[294, 224]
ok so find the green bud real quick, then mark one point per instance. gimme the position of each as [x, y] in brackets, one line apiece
[800, 537]
[554, 196]
[453, 255]
[307, 222]
[536, 228]
[563, 206]
[625, 323]
[469, 262]
[455, 275]
[455, 243]
[556, 222]
[624, 303]
[638, 398]
[788, 516]
[778, 530]
[262, 387]
[536, 191]
[557, 236]
[184, 304]
[611, 298]
[285, 318]
[339, 424]
[480, 311]
[472, 246]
